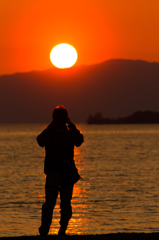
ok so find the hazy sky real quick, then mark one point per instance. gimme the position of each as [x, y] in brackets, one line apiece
[98, 29]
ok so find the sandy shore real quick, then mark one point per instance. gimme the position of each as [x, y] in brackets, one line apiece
[117, 236]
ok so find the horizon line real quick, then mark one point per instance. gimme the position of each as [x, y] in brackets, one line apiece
[78, 66]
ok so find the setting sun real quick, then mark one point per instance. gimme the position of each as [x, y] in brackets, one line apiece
[63, 55]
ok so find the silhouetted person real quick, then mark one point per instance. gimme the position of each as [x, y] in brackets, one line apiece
[59, 139]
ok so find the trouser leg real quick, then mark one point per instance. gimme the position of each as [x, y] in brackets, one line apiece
[51, 193]
[66, 209]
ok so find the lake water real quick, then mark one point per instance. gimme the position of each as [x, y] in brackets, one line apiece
[119, 190]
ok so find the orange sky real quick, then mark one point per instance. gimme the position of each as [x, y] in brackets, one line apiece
[98, 29]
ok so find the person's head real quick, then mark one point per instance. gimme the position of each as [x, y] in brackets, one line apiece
[60, 115]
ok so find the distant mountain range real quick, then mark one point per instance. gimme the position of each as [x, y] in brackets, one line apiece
[117, 88]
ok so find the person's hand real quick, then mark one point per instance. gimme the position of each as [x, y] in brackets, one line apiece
[71, 126]
[68, 121]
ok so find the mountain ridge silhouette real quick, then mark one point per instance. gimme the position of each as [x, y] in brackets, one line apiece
[116, 87]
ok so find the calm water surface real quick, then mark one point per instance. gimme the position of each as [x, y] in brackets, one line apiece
[119, 190]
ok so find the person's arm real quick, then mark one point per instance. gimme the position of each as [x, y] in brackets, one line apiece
[77, 136]
[42, 138]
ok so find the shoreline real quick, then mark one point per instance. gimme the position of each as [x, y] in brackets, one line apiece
[111, 236]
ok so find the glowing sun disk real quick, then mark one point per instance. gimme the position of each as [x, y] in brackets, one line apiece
[63, 55]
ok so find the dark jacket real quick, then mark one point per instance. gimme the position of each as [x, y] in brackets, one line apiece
[59, 142]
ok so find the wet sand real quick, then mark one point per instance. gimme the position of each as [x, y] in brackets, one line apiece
[117, 236]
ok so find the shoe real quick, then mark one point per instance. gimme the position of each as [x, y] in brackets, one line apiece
[61, 235]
